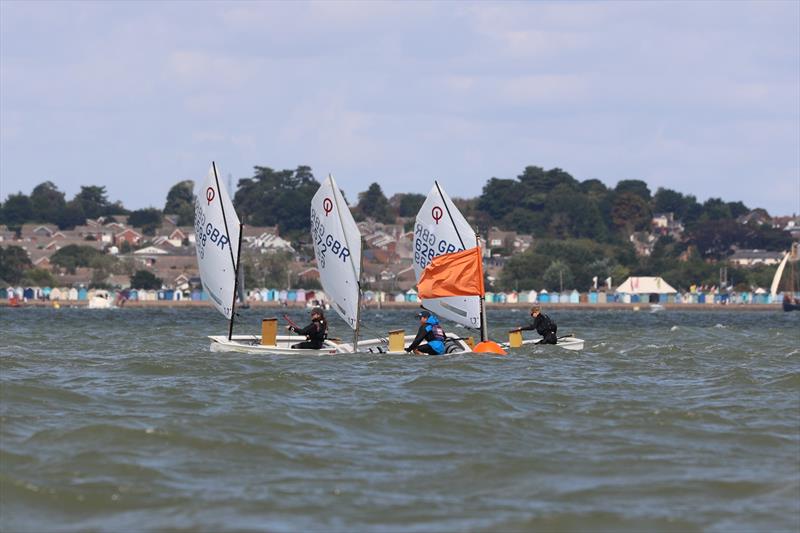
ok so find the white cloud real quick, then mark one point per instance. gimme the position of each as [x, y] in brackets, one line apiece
[679, 94]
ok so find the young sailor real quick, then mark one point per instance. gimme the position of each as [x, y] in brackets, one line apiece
[315, 333]
[544, 326]
[429, 330]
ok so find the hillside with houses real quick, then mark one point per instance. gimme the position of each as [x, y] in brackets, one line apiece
[542, 230]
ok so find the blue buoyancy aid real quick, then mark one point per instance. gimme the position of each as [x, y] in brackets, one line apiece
[435, 334]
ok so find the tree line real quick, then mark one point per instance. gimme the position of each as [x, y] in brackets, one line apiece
[581, 228]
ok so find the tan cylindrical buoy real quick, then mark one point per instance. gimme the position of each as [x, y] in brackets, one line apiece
[397, 341]
[514, 338]
[269, 331]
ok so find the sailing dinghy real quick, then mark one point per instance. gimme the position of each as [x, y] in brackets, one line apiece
[449, 271]
[218, 242]
[337, 248]
[790, 285]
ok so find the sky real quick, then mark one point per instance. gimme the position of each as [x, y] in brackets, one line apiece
[699, 97]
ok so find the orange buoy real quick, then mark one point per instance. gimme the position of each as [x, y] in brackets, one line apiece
[489, 347]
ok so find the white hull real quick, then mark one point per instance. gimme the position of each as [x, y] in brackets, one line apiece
[99, 302]
[567, 343]
[252, 344]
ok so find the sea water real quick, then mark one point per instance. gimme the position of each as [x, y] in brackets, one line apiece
[123, 420]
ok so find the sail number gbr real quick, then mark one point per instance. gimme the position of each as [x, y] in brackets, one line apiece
[207, 232]
[324, 242]
[427, 246]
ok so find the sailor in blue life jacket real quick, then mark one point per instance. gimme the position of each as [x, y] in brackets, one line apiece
[544, 326]
[429, 330]
[315, 333]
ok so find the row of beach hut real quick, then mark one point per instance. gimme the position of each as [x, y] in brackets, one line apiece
[760, 296]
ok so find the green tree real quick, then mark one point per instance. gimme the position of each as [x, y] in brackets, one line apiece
[39, 277]
[144, 279]
[47, 202]
[716, 239]
[594, 188]
[737, 209]
[637, 187]
[407, 204]
[558, 276]
[630, 212]
[149, 219]
[17, 210]
[14, 261]
[669, 201]
[523, 272]
[73, 256]
[498, 198]
[372, 203]
[715, 209]
[536, 179]
[277, 198]
[70, 215]
[573, 215]
[180, 201]
[94, 201]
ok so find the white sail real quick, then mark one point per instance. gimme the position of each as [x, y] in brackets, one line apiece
[441, 229]
[216, 228]
[776, 279]
[337, 247]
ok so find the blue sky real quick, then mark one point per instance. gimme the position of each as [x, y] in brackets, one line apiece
[699, 97]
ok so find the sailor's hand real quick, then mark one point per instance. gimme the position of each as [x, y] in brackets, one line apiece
[289, 328]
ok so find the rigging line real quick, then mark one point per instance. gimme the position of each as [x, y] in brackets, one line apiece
[449, 214]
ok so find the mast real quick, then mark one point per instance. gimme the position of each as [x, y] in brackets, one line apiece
[236, 281]
[358, 305]
[484, 324]
[234, 263]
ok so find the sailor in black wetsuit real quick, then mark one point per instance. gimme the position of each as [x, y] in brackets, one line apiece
[315, 333]
[544, 326]
[429, 330]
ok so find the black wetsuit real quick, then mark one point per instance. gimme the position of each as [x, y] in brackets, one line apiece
[545, 327]
[316, 332]
[434, 334]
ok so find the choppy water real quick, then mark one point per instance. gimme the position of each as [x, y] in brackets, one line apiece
[123, 420]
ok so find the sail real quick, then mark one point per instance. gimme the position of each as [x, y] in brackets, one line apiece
[776, 279]
[337, 247]
[216, 228]
[442, 229]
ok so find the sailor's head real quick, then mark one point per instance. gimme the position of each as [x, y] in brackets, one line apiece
[317, 312]
[423, 315]
[535, 310]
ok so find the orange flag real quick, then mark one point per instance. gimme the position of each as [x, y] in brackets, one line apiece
[456, 274]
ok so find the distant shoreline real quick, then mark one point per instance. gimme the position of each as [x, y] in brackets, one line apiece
[136, 304]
